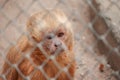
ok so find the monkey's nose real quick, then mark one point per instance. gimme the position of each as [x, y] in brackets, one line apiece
[57, 44]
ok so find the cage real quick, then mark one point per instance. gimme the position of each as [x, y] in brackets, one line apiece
[95, 25]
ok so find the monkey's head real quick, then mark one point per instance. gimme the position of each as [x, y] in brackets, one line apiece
[53, 29]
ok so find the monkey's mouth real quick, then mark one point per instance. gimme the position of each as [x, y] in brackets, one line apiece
[54, 51]
[57, 51]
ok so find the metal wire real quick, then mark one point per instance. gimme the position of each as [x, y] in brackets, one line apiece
[95, 33]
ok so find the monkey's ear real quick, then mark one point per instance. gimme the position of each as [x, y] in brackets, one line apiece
[32, 29]
[36, 34]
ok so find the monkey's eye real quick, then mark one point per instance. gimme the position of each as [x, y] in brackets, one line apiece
[49, 37]
[61, 34]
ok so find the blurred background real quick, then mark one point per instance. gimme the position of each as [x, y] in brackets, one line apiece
[96, 32]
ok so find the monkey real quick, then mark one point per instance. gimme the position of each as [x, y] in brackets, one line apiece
[46, 53]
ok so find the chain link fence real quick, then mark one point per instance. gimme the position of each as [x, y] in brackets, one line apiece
[95, 24]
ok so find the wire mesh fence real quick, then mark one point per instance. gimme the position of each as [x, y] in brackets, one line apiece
[95, 24]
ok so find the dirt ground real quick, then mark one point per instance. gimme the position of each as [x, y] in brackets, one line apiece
[13, 16]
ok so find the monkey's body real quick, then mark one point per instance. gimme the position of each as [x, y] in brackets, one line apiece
[26, 67]
[61, 40]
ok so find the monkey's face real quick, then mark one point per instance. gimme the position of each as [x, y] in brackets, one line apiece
[53, 31]
[54, 41]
